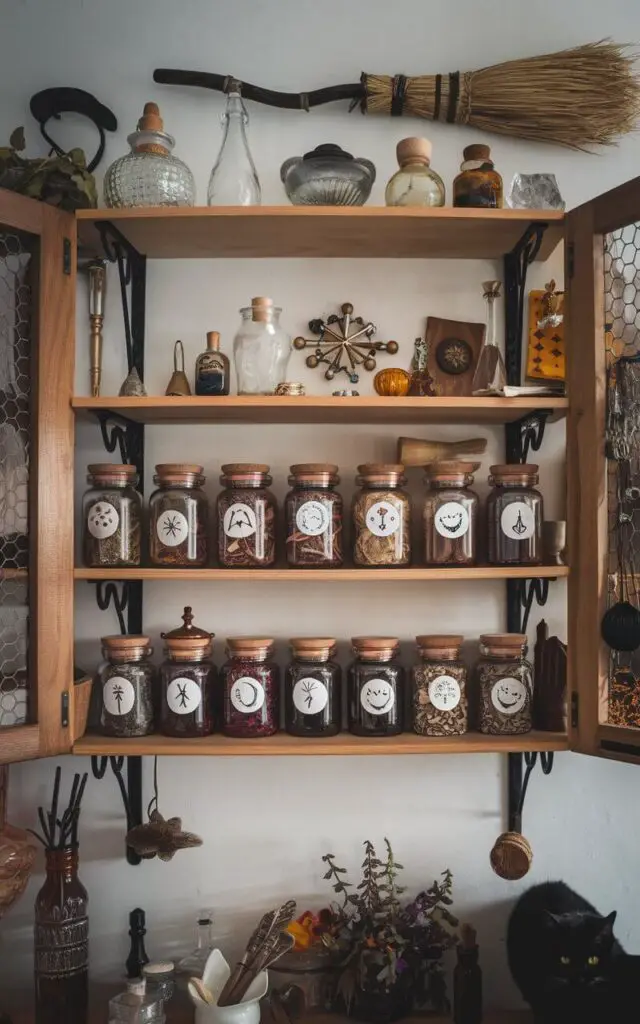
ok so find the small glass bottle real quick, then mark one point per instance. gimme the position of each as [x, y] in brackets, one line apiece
[490, 376]
[381, 514]
[187, 681]
[251, 688]
[515, 515]
[149, 175]
[111, 517]
[313, 511]
[178, 517]
[192, 965]
[261, 348]
[246, 516]
[450, 514]
[467, 980]
[61, 941]
[376, 687]
[136, 1006]
[478, 184]
[504, 685]
[160, 978]
[415, 184]
[128, 682]
[234, 179]
[440, 700]
[212, 368]
[313, 691]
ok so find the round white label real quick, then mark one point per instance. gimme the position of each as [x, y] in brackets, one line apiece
[377, 696]
[383, 518]
[247, 695]
[508, 695]
[312, 518]
[102, 520]
[518, 521]
[444, 693]
[451, 520]
[239, 520]
[183, 695]
[310, 696]
[172, 528]
[118, 695]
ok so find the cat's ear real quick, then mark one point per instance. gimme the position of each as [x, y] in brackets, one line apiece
[608, 923]
[552, 919]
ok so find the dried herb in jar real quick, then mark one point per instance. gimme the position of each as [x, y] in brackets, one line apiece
[514, 516]
[440, 703]
[111, 517]
[178, 517]
[381, 517]
[313, 512]
[128, 682]
[246, 515]
[504, 685]
[251, 688]
[376, 687]
[450, 514]
[313, 692]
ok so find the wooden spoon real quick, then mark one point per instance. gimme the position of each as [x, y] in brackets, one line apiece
[415, 451]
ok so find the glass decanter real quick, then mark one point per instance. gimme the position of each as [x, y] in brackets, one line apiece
[415, 184]
[490, 376]
[149, 175]
[261, 349]
[192, 965]
[234, 179]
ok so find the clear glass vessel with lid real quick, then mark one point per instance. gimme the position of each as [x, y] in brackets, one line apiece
[478, 184]
[313, 692]
[128, 687]
[450, 514]
[439, 693]
[251, 688]
[514, 516]
[381, 514]
[246, 517]
[261, 348]
[313, 510]
[376, 687]
[504, 684]
[136, 1005]
[192, 965]
[415, 184]
[187, 681]
[178, 517]
[111, 517]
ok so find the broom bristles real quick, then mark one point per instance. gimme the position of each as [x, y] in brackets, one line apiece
[582, 97]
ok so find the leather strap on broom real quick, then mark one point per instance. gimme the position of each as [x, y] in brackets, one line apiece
[582, 97]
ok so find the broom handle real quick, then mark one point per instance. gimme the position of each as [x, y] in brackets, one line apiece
[285, 100]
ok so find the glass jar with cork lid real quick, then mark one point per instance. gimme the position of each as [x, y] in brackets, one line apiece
[246, 517]
[415, 184]
[381, 517]
[187, 681]
[313, 692]
[128, 687]
[478, 184]
[439, 699]
[111, 517]
[376, 687]
[261, 348]
[450, 514]
[178, 517]
[251, 688]
[514, 516]
[314, 517]
[504, 684]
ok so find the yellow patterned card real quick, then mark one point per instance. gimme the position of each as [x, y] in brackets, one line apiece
[545, 348]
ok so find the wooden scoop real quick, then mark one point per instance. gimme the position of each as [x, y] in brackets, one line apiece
[511, 856]
[416, 451]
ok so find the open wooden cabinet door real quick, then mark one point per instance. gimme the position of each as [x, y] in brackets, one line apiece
[603, 377]
[37, 330]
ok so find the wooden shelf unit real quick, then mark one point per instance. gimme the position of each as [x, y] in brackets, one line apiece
[478, 572]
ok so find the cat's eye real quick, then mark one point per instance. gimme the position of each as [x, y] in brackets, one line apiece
[593, 961]
[565, 961]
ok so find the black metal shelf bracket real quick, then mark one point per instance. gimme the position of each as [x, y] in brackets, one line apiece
[132, 274]
[518, 783]
[516, 264]
[125, 435]
[526, 434]
[130, 790]
[116, 592]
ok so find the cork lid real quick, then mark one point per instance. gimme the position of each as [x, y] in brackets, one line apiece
[124, 648]
[516, 472]
[386, 473]
[249, 474]
[262, 308]
[256, 648]
[111, 471]
[375, 648]
[477, 151]
[178, 473]
[414, 151]
[320, 647]
[151, 120]
[451, 470]
[314, 473]
[213, 341]
[504, 644]
[440, 645]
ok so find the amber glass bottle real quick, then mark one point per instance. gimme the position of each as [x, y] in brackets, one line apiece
[478, 184]
[61, 940]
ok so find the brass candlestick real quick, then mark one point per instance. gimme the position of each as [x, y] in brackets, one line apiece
[97, 271]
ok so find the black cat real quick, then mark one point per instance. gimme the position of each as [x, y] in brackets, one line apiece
[563, 956]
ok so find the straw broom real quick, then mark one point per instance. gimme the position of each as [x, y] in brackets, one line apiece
[581, 97]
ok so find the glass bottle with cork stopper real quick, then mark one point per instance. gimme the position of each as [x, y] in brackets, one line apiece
[261, 348]
[478, 184]
[440, 701]
[376, 687]
[467, 980]
[313, 702]
[187, 680]
[212, 368]
[415, 184]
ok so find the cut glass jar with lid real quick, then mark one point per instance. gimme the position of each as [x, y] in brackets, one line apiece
[515, 515]
[246, 517]
[415, 184]
[381, 513]
[313, 511]
[376, 687]
[440, 705]
[261, 348]
[178, 517]
[111, 517]
[313, 692]
[149, 175]
[450, 514]
[251, 688]
[187, 681]
[136, 1006]
[504, 684]
[478, 184]
[128, 686]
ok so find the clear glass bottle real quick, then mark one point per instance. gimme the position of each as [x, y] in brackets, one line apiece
[504, 685]
[136, 1006]
[187, 681]
[314, 517]
[212, 368]
[312, 689]
[234, 179]
[149, 175]
[415, 184]
[111, 517]
[450, 514]
[160, 979]
[128, 687]
[192, 965]
[376, 687]
[490, 374]
[478, 184]
[178, 517]
[381, 514]
[261, 348]
[246, 517]
[515, 514]
[251, 688]
[440, 701]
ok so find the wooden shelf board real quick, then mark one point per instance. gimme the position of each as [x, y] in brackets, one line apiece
[312, 232]
[478, 572]
[344, 744]
[320, 409]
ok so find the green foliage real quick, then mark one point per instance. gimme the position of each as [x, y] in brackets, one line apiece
[62, 181]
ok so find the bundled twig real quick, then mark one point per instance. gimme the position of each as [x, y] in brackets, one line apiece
[267, 944]
[60, 832]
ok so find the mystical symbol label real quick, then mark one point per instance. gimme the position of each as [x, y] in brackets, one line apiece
[377, 696]
[209, 363]
[172, 528]
[183, 695]
[508, 695]
[312, 518]
[118, 695]
[239, 520]
[444, 693]
[451, 520]
[383, 518]
[310, 696]
[518, 520]
[247, 695]
[102, 520]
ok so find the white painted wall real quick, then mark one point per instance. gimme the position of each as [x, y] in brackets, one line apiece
[266, 823]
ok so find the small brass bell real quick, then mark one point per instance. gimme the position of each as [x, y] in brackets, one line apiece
[179, 384]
